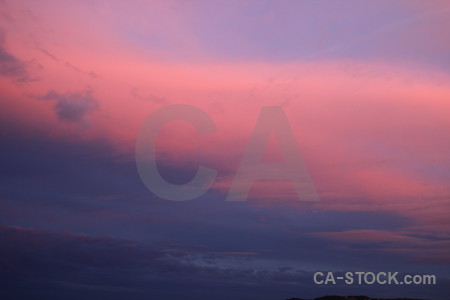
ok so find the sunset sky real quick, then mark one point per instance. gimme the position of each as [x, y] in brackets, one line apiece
[365, 86]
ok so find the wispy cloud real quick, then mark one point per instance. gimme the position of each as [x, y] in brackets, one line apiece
[10, 65]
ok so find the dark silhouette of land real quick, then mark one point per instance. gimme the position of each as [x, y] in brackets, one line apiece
[352, 298]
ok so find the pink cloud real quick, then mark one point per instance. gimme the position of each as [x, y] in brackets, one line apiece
[374, 134]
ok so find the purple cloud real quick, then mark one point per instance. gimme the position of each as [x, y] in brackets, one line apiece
[73, 107]
[11, 66]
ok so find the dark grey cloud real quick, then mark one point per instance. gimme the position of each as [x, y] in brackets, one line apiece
[10, 65]
[73, 107]
[45, 264]
[157, 249]
[115, 268]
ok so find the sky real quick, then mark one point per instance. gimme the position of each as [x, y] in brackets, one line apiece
[363, 85]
